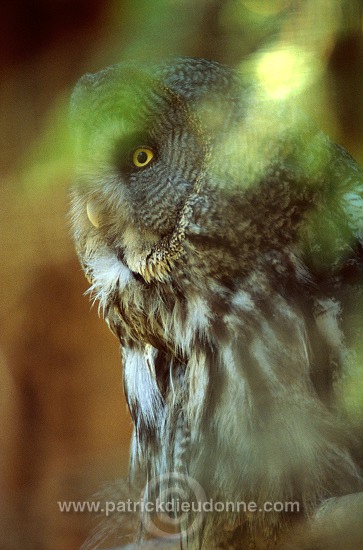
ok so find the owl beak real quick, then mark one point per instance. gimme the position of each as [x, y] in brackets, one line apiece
[93, 214]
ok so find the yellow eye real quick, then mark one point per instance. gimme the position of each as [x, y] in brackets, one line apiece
[142, 157]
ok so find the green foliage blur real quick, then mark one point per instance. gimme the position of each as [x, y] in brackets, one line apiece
[310, 50]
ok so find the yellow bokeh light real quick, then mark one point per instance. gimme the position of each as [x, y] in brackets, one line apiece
[285, 70]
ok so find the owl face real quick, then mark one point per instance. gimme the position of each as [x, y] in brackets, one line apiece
[143, 145]
[140, 151]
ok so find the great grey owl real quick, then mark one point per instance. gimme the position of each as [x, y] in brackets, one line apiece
[222, 235]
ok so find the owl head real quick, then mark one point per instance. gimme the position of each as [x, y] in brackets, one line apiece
[148, 140]
[163, 152]
[178, 150]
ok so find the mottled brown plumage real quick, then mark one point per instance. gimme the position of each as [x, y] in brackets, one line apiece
[222, 235]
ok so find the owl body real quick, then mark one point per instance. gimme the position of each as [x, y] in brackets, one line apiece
[222, 236]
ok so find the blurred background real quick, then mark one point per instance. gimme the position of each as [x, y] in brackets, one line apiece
[64, 428]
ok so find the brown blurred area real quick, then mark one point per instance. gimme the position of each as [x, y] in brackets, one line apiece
[64, 428]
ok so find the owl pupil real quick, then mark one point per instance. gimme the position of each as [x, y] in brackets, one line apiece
[142, 157]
